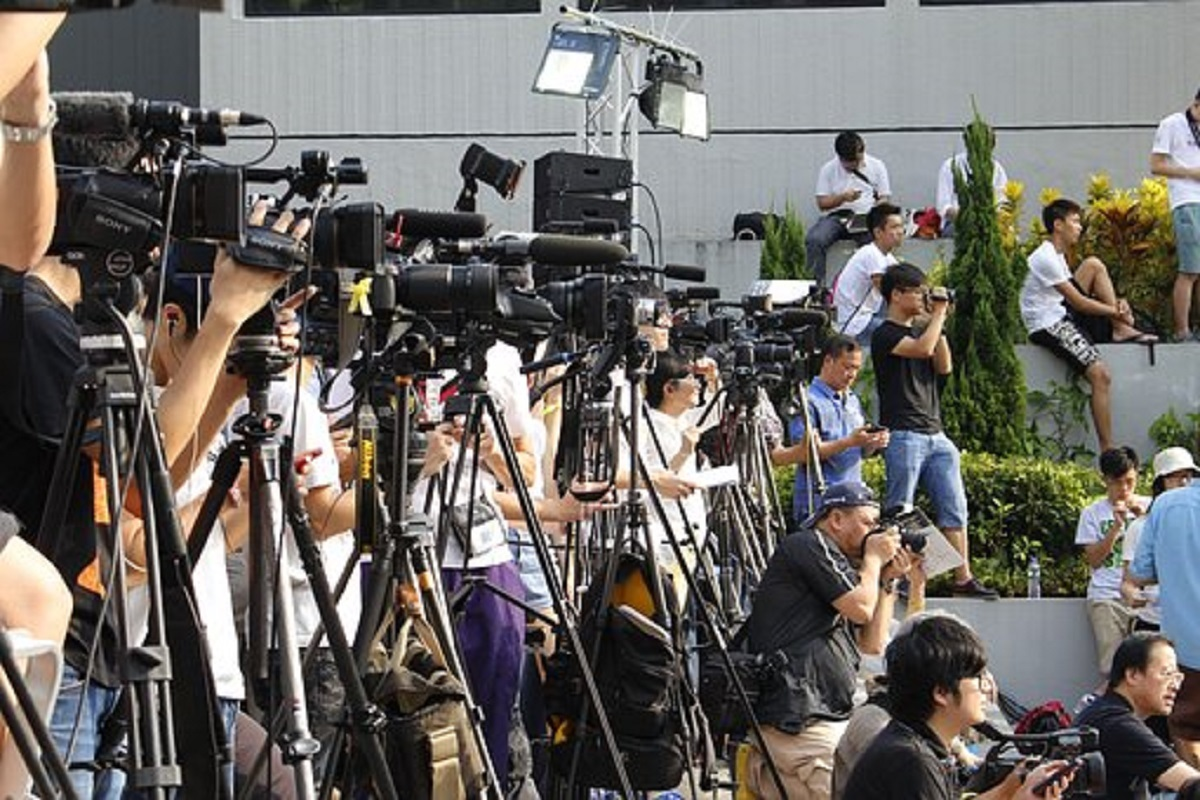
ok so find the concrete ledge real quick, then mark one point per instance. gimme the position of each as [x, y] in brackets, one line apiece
[1038, 649]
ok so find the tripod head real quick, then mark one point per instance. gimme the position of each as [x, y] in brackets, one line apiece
[257, 357]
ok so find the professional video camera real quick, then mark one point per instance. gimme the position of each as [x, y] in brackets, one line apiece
[1079, 747]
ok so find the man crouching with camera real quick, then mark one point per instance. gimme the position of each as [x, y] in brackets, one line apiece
[825, 597]
[937, 687]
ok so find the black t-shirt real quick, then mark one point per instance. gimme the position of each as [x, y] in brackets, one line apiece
[794, 613]
[1133, 755]
[908, 387]
[49, 357]
[905, 762]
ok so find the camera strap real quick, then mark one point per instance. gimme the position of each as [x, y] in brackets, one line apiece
[858, 173]
[1191, 121]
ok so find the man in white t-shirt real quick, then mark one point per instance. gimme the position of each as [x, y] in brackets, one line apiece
[847, 185]
[1067, 313]
[856, 290]
[1176, 156]
[947, 196]
[1101, 535]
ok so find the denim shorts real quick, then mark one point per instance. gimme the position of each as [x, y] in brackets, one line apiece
[1186, 221]
[932, 462]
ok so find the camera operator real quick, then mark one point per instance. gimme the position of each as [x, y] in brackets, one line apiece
[1142, 682]
[827, 593]
[909, 362]
[937, 681]
[27, 186]
[840, 432]
[42, 360]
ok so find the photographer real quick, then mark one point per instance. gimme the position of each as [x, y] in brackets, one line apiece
[27, 186]
[839, 432]
[937, 681]
[827, 593]
[909, 363]
[1143, 682]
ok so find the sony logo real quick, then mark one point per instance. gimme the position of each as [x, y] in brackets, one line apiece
[114, 224]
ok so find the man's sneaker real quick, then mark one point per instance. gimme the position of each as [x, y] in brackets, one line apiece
[973, 588]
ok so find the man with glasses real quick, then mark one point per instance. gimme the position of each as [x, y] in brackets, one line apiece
[1169, 553]
[826, 595]
[1143, 682]
[847, 186]
[938, 687]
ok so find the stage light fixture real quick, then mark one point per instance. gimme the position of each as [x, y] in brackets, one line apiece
[673, 98]
[577, 61]
[480, 164]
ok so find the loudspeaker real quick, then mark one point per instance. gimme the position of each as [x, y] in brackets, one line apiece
[549, 208]
[581, 174]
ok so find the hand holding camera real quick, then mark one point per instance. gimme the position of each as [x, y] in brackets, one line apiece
[238, 291]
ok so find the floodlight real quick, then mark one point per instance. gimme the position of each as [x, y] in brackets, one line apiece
[673, 98]
[577, 61]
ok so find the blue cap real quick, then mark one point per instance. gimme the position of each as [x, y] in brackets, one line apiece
[842, 495]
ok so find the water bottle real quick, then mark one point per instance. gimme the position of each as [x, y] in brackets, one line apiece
[1034, 578]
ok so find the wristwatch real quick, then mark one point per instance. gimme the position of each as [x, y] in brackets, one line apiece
[22, 134]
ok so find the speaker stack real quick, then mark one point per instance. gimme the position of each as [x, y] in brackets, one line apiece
[577, 191]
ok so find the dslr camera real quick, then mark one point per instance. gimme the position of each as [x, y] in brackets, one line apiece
[915, 528]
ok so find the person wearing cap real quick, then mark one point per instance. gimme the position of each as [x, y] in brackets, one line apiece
[910, 363]
[1175, 155]
[826, 596]
[1173, 469]
[1168, 553]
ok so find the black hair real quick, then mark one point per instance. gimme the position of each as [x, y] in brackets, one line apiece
[189, 292]
[1133, 653]
[878, 215]
[1116, 461]
[839, 343]
[900, 276]
[668, 366]
[1058, 209]
[937, 652]
[849, 146]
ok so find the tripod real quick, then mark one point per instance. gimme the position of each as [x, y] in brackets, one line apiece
[176, 740]
[272, 493]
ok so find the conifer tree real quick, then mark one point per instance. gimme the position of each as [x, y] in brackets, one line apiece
[983, 405]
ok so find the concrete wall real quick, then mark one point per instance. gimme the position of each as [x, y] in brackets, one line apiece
[1038, 649]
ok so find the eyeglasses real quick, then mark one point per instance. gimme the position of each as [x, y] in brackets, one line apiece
[984, 680]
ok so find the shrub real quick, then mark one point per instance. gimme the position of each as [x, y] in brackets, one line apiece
[1019, 507]
[783, 255]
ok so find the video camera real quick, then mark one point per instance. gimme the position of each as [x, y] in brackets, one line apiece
[1079, 747]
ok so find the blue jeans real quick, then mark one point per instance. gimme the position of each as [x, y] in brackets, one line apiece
[98, 705]
[229, 715]
[931, 461]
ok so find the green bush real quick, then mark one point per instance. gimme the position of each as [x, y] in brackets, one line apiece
[1019, 506]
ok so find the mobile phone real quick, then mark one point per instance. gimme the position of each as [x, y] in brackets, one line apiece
[873, 428]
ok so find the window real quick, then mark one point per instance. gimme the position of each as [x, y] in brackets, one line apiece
[1003, 2]
[719, 5]
[287, 8]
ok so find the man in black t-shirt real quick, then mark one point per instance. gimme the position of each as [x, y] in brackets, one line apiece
[908, 366]
[1142, 682]
[809, 598]
[937, 688]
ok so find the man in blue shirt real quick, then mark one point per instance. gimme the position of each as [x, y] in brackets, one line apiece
[841, 433]
[1168, 553]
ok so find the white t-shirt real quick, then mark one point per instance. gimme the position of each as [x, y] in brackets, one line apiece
[947, 198]
[1174, 138]
[1041, 304]
[1094, 523]
[854, 294]
[489, 542]
[1151, 612]
[835, 179]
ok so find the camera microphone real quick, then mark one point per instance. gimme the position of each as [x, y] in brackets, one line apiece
[685, 272]
[168, 115]
[421, 224]
[100, 114]
[555, 251]
[790, 318]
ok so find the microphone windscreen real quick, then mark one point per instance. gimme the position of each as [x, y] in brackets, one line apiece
[437, 224]
[703, 293]
[571, 251]
[93, 113]
[685, 272]
[801, 317]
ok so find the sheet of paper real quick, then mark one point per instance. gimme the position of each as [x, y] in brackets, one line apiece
[717, 476]
[940, 555]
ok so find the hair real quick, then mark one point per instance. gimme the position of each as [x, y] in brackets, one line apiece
[838, 344]
[1116, 461]
[1058, 209]
[849, 146]
[1134, 654]
[188, 291]
[900, 276]
[935, 653]
[668, 366]
[877, 217]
